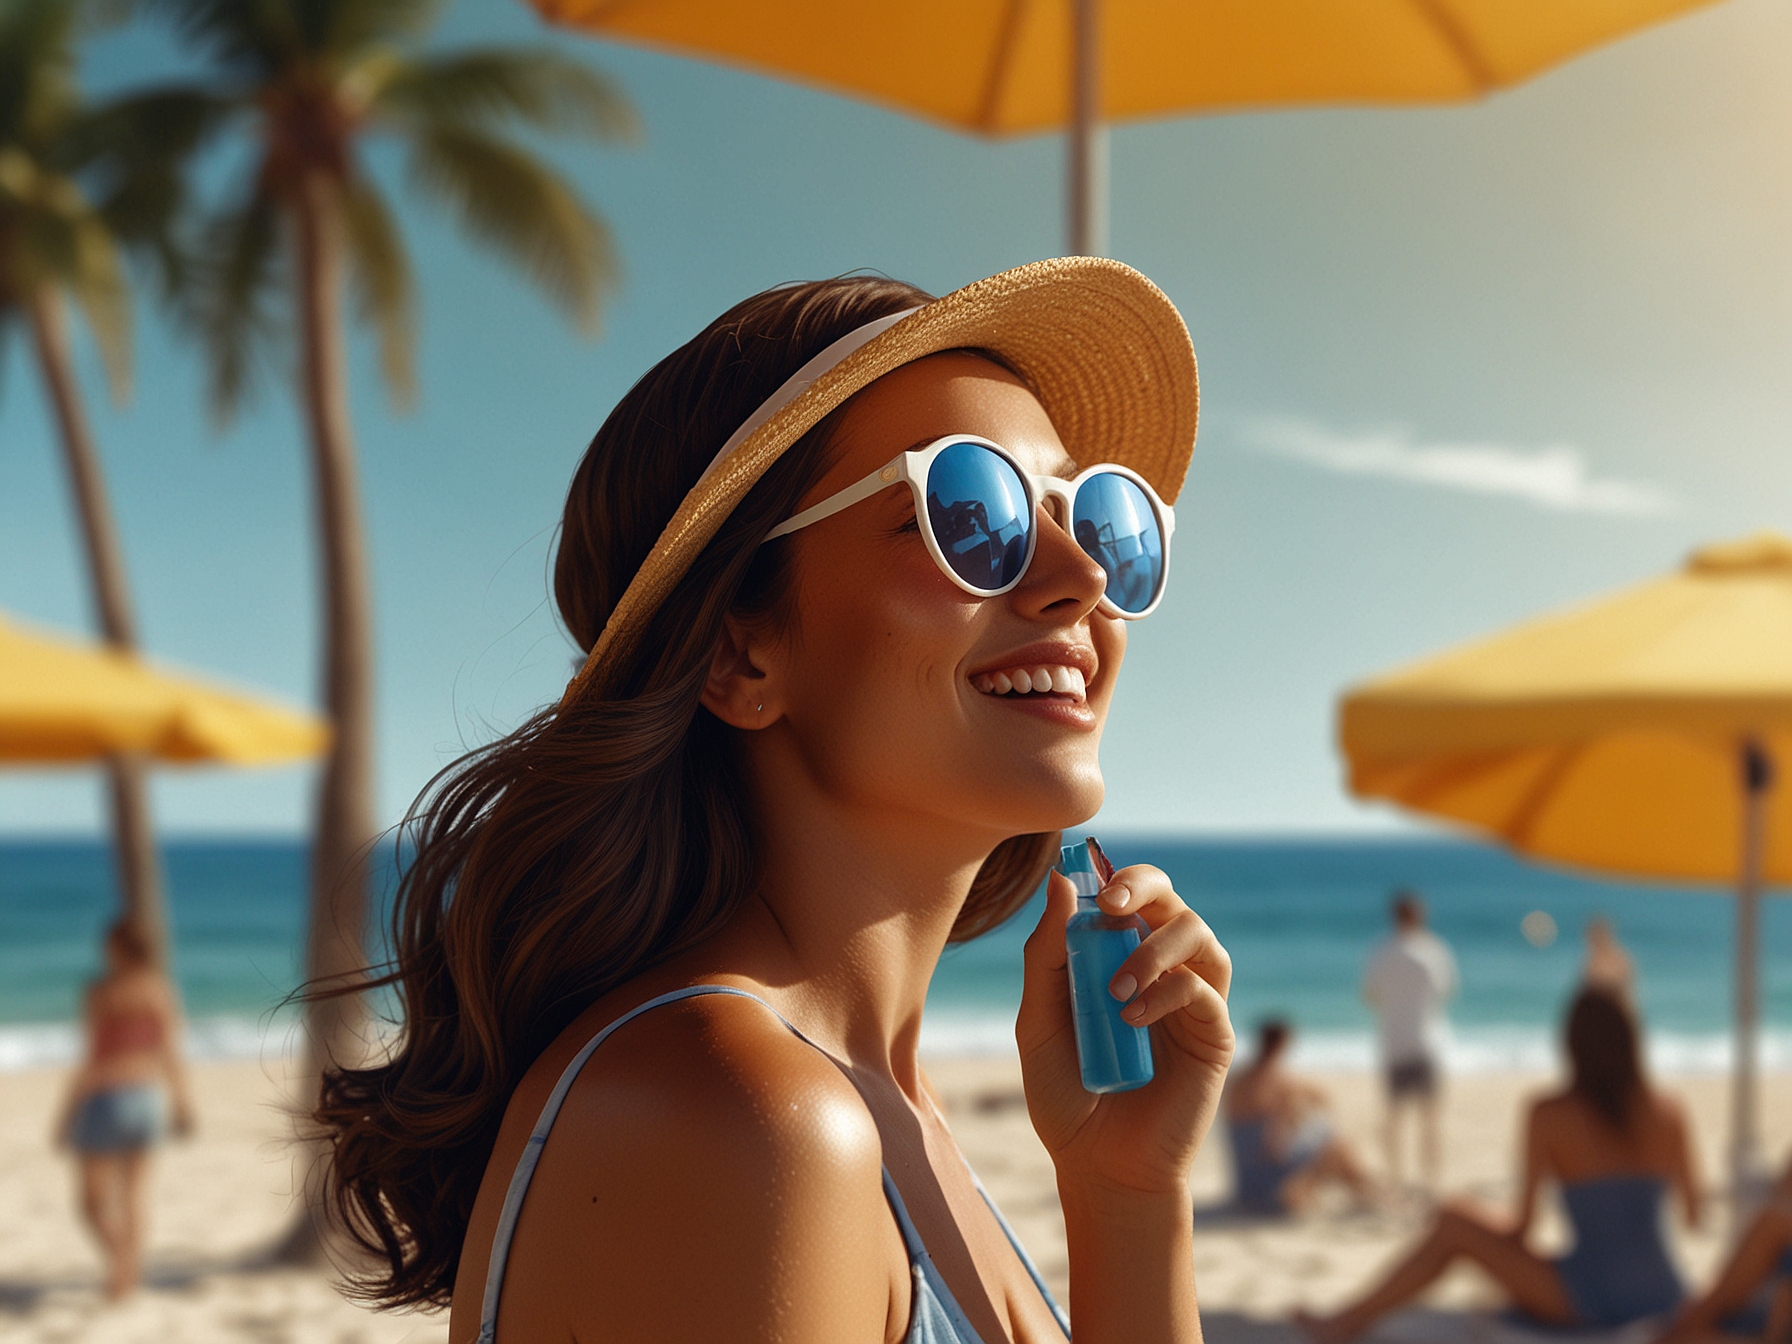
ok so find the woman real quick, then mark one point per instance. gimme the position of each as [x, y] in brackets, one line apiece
[663, 951]
[1283, 1145]
[118, 1103]
[1615, 1147]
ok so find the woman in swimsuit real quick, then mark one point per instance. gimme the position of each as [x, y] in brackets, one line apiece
[1284, 1147]
[663, 951]
[119, 1102]
[1616, 1148]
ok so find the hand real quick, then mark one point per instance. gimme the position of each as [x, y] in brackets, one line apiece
[1143, 1141]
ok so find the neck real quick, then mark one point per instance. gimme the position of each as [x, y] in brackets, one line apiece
[854, 907]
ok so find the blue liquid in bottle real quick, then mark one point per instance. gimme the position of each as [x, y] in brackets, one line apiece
[1114, 1055]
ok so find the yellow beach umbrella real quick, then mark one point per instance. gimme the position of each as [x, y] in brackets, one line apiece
[63, 702]
[996, 67]
[1637, 735]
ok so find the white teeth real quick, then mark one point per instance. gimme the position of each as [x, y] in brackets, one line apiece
[1059, 680]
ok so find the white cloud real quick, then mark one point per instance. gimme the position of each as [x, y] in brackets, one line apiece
[1552, 477]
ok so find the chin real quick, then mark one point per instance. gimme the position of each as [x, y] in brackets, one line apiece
[1076, 798]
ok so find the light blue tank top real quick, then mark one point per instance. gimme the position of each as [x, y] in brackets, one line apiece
[934, 1314]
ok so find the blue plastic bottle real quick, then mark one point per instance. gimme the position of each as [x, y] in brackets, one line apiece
[1114, 1055]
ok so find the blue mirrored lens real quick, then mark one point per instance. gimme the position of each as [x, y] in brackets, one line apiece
[1113, 521]
[977, 504]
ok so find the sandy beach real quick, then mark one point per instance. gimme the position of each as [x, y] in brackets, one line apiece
[220, 1198]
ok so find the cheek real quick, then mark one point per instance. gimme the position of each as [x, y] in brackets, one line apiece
[1109, 634]
[882, 637]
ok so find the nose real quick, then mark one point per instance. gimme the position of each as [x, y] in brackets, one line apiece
[1064, 582]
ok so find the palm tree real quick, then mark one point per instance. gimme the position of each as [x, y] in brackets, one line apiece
[59, 242]
[311, 80]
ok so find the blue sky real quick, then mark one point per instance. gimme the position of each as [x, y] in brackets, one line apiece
[1458, 365]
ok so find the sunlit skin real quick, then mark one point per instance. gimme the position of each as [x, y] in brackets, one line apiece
[711, 1177]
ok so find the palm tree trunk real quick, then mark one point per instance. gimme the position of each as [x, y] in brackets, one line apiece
[133, 841]
[345, 833]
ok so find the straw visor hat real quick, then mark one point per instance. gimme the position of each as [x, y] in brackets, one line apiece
[1104, 350]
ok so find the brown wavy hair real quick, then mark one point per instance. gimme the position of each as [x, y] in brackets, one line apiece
[602, 836]
[1604, 1055]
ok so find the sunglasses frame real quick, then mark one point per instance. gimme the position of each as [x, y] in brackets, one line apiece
[911, 468]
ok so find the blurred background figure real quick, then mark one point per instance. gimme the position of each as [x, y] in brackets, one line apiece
[129, 1089]
[1284, 1147]
[1752, 1295]
[1410, 978]
[1608, 964]
[1615, 1147]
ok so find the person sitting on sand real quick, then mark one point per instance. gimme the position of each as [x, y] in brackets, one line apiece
[663, 951]
[1760, 1266]
[1615, 1146]
[1283, 1144]
[119, 1101]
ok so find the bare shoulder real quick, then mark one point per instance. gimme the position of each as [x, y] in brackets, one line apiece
[707, 1174]
[722, 1069]
[1669, 1113]
[1550, 1107]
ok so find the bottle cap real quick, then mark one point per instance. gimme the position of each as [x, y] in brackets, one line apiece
[1075, 863]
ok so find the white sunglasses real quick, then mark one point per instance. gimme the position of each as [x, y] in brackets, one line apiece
[978, 511]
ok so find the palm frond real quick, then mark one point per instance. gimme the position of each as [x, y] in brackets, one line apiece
[239, 265]
[37, 70]
[97, 284]
[538, 87]
[135, 151]
[383, 292]
[248, 38]
[342, 27]
[510, 199]
[159, 127]
[57, 238]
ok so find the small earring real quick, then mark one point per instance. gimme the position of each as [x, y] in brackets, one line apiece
[759, 708]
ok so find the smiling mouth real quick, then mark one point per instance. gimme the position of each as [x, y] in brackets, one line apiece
[1046, 679]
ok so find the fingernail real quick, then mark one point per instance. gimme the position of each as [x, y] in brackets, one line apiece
[1133, 1011]
[1123, 987]
[1118, 896]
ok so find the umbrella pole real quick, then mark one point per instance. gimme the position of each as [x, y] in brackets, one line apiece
[1088, 140]
[1757, 781]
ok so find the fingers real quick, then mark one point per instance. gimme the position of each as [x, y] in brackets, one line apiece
[1045, 993]
[1045, 950]
[1183, 992]
[1179, 937]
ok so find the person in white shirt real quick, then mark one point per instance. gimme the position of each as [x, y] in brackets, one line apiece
[1410, 978]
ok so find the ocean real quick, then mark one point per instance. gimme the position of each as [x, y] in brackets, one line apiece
[1299, 917]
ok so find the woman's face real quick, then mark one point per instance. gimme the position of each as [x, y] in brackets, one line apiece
[889, 681]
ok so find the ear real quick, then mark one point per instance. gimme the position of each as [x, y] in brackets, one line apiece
[739, 690]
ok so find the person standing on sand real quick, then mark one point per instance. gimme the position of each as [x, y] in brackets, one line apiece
[123, 1097]
[1409, 979]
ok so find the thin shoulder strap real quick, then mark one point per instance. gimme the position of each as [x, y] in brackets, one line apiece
[525, 1165]
[1026, 1261]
